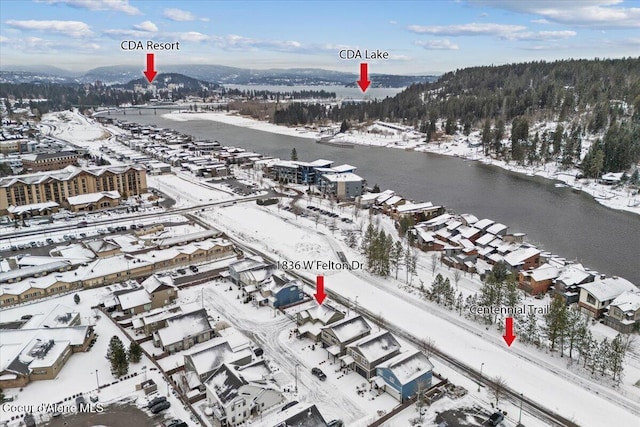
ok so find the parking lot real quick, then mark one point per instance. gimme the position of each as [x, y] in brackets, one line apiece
[127, 415]
[237, 187]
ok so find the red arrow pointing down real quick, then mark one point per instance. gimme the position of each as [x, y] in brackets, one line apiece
[364, 81]
[150, 73]
[320, 295]
[508, 334]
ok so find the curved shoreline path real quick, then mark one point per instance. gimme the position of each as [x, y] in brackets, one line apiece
[557, 219]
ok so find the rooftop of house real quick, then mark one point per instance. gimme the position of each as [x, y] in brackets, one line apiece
[180, 327]
[609, 288]
[375, 346]
[224, 383]
[408, 366]
[347, 329]
[82, 199]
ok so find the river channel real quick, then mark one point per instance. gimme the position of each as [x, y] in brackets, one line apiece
[559, 220]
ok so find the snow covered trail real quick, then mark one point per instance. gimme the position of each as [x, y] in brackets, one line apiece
[267, 334]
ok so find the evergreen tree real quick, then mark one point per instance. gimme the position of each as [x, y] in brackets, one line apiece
[486, 136]
[556, 321]
[396, 256]
[450, 126]
[76, 299]
[375, 189]
[135, 352]
[294, 154]
[530, 331]
[117, 357]
[344, 126]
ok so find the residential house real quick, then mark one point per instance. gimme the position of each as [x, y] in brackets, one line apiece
[366, 354]
[624, 312]
[311, 320]
[133, 301]
[538, 280]
[404, 375]
[568, 282]
[250, 271]
[523, 259]
[299, 415]
[596, 296]
[184, 331]
[235, 400]
[161, 290]
[202, 363]
[337, 336]
[279, 291]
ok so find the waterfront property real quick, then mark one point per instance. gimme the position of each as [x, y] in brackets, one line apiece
[596, 296]
[624, 312]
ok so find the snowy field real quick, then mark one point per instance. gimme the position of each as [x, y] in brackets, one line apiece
[236, 120]
[187, 192]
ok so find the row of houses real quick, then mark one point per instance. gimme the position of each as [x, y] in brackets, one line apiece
[51, 276]
[375, 355]
[475, 246]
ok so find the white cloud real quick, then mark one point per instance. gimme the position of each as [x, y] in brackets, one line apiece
[392, 22]
[180, 15]
[541, 21]
[473, 29]
[192, 36]
[37, 45]
[441, 44]
[236, 42]
[592, 13]
[540, 35]
[68, 28]
[147, 26]
[98, 5]
[3, 39]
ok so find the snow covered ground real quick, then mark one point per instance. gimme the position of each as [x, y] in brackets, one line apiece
[543, 378]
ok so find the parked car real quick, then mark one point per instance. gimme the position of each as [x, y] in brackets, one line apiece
[289, 405]
[318, 373]
[181, 271]
[155, 409]
[335, 423]
[258, 351]
[193, 268]
[155, 401]
[175, 423]
[496, 418]
[49, 241]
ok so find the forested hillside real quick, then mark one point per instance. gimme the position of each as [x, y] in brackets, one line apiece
[593, 100]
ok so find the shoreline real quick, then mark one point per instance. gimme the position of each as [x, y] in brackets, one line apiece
[605, 195]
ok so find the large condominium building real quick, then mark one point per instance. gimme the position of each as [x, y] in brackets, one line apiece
[48, 161]
[57, 186]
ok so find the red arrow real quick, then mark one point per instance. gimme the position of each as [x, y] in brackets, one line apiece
[150, 73]
[508, 336]
[364, 81]
[320, 295]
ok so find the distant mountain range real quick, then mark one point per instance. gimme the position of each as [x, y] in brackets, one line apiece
[220, 74]
[164, 80]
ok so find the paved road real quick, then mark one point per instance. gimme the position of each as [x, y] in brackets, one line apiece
[126, 415]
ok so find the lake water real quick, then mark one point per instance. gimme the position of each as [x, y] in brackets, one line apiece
[559, 220]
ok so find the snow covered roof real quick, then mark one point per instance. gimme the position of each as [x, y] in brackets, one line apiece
[609, 288]
[519, 256]
[182, 326]
[483, 224]
[469, 218]
[485, 239]
[153, 282]
[18, 210]
[83, 199]
[544, 272]
[344, 168]
[133, 298]
[573, 274]
[415, 207]
[66, 174]
[374, 347]
[384, 195]
[299, 415]
[497, 228]
[212, 357]
[342, 177]
[23, 273]
[408, 366]
[628, 301]
[350, 328]
[224, 383]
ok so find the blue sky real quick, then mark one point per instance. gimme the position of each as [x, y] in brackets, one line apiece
[420, 36]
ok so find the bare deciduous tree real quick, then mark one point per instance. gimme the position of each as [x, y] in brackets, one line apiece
[427, 346]
[457, 275]
[434, 262]
[498, 386]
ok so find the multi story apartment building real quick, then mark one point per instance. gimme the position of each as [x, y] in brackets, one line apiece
[48, 161]
[57, 186]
